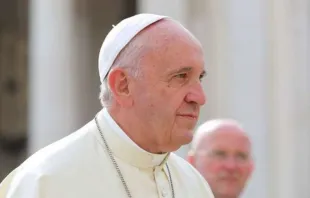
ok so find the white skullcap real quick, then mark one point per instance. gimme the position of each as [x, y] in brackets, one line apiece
[119, 37]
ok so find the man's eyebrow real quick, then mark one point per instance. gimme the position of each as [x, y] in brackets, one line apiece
[180, 70]
[186, 69]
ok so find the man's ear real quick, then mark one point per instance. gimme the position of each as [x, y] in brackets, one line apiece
[118, 80]
[251, 167]
[190, 158]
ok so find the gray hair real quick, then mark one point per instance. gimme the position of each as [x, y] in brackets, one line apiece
[129, 59]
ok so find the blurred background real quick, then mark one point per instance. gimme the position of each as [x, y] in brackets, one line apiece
[258, 62]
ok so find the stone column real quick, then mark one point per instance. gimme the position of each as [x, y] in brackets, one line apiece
[178, 9]
[65, 38]
[13, 84]
[247, 85]
[289, 98]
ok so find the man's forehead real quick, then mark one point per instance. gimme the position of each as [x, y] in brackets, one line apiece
[166, 66]
[219, 132]
[227, 131]
[169, 48]
[178, 58]
[227, 134]
[226, 141]
[166, 35]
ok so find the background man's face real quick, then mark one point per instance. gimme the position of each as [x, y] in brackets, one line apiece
[226, 163]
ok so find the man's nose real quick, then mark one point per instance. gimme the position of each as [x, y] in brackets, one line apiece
[196, 94]
[230, 163]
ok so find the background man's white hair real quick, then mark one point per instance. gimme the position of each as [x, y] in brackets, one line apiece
[209, 127]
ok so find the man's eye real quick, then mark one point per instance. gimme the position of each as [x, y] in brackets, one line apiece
[183, 75]
[219, 154]
[242, 156]
[179, 79]
[201, 77]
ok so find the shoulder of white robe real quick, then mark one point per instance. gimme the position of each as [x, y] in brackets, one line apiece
[204, 188]
[6, 183]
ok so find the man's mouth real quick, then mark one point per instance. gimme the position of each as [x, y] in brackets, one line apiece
[189, 116]
[230, 179]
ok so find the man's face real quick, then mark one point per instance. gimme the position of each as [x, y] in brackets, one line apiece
[226, 163]
[169, 93]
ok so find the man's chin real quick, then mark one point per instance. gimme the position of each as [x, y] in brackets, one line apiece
[186, 138]
[228, 192]
[181, 141]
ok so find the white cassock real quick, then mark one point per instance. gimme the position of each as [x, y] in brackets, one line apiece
[78, 166]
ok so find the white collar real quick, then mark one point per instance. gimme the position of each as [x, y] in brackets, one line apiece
[140, 154]
[115, 127]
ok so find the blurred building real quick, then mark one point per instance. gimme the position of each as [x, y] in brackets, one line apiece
[257, 58]
[13, 83]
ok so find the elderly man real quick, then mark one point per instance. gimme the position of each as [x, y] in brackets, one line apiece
[150, 68]
[221, 152]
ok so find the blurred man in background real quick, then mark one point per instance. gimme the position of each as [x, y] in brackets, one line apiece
[221, 152]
